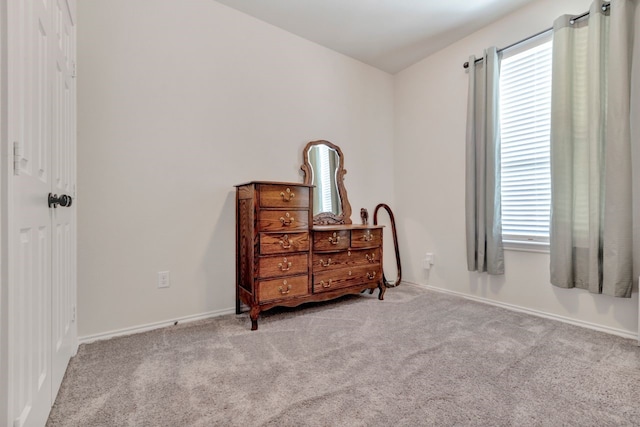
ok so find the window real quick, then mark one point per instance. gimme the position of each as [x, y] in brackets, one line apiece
[525, 116]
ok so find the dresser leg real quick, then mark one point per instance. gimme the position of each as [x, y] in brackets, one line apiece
[253, 314]
[382, 288]
[237, 305]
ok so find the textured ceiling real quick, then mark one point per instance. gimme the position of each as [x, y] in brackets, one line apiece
[387, 34]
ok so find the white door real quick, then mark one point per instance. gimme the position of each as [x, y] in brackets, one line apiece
[63, 183]
[30, 248]
[41, 288]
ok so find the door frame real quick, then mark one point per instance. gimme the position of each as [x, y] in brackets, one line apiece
[4, 216]
[5, 189]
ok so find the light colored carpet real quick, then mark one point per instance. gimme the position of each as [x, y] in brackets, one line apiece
[418, 358]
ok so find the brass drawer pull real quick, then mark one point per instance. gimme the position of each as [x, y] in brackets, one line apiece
[285, 243]
[335, 239]
[325, 285]
[371, 258]
[325, 264]
[371, 275]
[288, 196]
[287, 219]
[368, 237]
[284, 291]
[284, 265]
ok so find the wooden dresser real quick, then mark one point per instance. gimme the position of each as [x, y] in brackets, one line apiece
[283, 260]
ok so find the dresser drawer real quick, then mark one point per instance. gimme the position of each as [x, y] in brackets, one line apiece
[276, 243]
[284, 196]
[269, 220]
[343, 277]
[283, 265]
[366, 238]
[289, 287]
[330, 240]
[325, 261]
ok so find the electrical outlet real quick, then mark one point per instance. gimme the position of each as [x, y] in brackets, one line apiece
[163, 279]
[429, 258]
[428, 261]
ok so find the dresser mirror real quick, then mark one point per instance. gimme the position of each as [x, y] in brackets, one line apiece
[323, 168]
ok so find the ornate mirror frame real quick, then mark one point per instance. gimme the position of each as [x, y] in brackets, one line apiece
[328, 218]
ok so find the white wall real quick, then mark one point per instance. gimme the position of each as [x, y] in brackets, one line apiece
[430, 117]
[177, 102]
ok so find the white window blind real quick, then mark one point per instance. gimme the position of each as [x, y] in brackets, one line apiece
[525, 116]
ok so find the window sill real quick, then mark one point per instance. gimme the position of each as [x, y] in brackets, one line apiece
[526, 246]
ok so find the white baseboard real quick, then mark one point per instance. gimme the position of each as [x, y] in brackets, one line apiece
[614, 331]
[150, 326]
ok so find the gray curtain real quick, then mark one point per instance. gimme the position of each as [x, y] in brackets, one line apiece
[591, 221]
[483, 205]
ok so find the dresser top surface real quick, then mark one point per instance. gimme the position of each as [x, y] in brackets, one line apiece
[345, 227]
[290, 184]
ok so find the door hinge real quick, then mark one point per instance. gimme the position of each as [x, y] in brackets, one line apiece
[17, 157]
[73, 314]
[73, 70]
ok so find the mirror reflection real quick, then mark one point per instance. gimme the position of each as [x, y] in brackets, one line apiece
[325, 162]
[323, 167]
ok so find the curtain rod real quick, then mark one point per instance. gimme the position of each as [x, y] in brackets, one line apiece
[571, 21]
